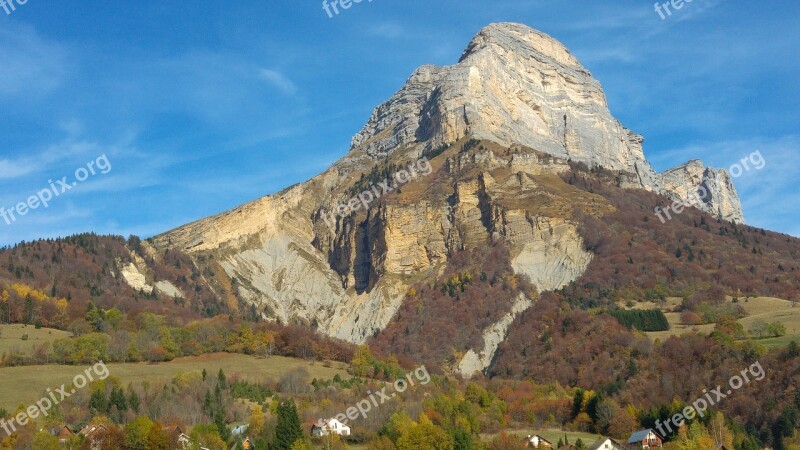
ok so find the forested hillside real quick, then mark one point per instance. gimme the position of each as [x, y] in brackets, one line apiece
[75, 284]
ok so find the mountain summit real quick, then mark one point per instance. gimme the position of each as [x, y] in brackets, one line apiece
[512, 85]
[516, 85]
[499, 145]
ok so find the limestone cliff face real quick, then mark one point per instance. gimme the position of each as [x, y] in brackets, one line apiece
[712, 190]
[516, 85]
[552, 255]
[135, 275]
[500, 127]
[513, 85]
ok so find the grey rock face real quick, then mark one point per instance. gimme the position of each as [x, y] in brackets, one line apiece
[513, 85]
[714, 188]
[517, 86]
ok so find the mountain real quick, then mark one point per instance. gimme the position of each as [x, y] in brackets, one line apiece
[491, 218]
[513, 164]
[517, 86]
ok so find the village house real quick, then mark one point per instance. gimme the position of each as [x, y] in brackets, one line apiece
[329, 426]
[537, 441]
[92, 433]
[63, 434]
[184, 441]
[644, 439]
[239, 430]
[607, 444]
[247, 444]
[173, 431]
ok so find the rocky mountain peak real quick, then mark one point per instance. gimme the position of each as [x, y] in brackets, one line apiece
[522, 39]
[514, 85]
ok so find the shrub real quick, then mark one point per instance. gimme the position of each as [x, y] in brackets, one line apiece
[643, 320]
[691, 318]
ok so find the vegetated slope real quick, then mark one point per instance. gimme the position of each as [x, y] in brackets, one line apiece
[566, 337]
[76, 284]
[442, 318]
[636, 257]
[554, 341]
[87, 268]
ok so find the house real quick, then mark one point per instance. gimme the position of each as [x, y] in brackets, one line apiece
[644, 439]
[176, 435]
[90, 430]
[247, 444]
[184, 441]
[63, 434]
[607, 444]
[537, 441]
[92, 434]
[173, 429]
[239, 430]
[329, 426]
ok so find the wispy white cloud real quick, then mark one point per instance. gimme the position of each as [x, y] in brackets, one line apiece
[31, 66]
[72, 126]
[278, 80]
[388, 30]
[10, 169]
[41, 160]
[608, 55]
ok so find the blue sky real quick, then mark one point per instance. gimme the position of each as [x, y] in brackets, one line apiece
[200, 108]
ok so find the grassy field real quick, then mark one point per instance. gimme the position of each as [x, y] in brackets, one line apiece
[552, 435]
[766, 309]
[782, 341]
[27, 384]
[677, 328]
[11, 337]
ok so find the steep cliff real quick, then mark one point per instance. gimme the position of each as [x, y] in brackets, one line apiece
[516, 85]
[708, 189]
[488, 141]
[512, 85]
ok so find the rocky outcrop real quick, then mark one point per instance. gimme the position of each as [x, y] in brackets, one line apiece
[169, 289]
[479, 360]
[708, 189]
[553, 256]
[134, 274]
[135, 278]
